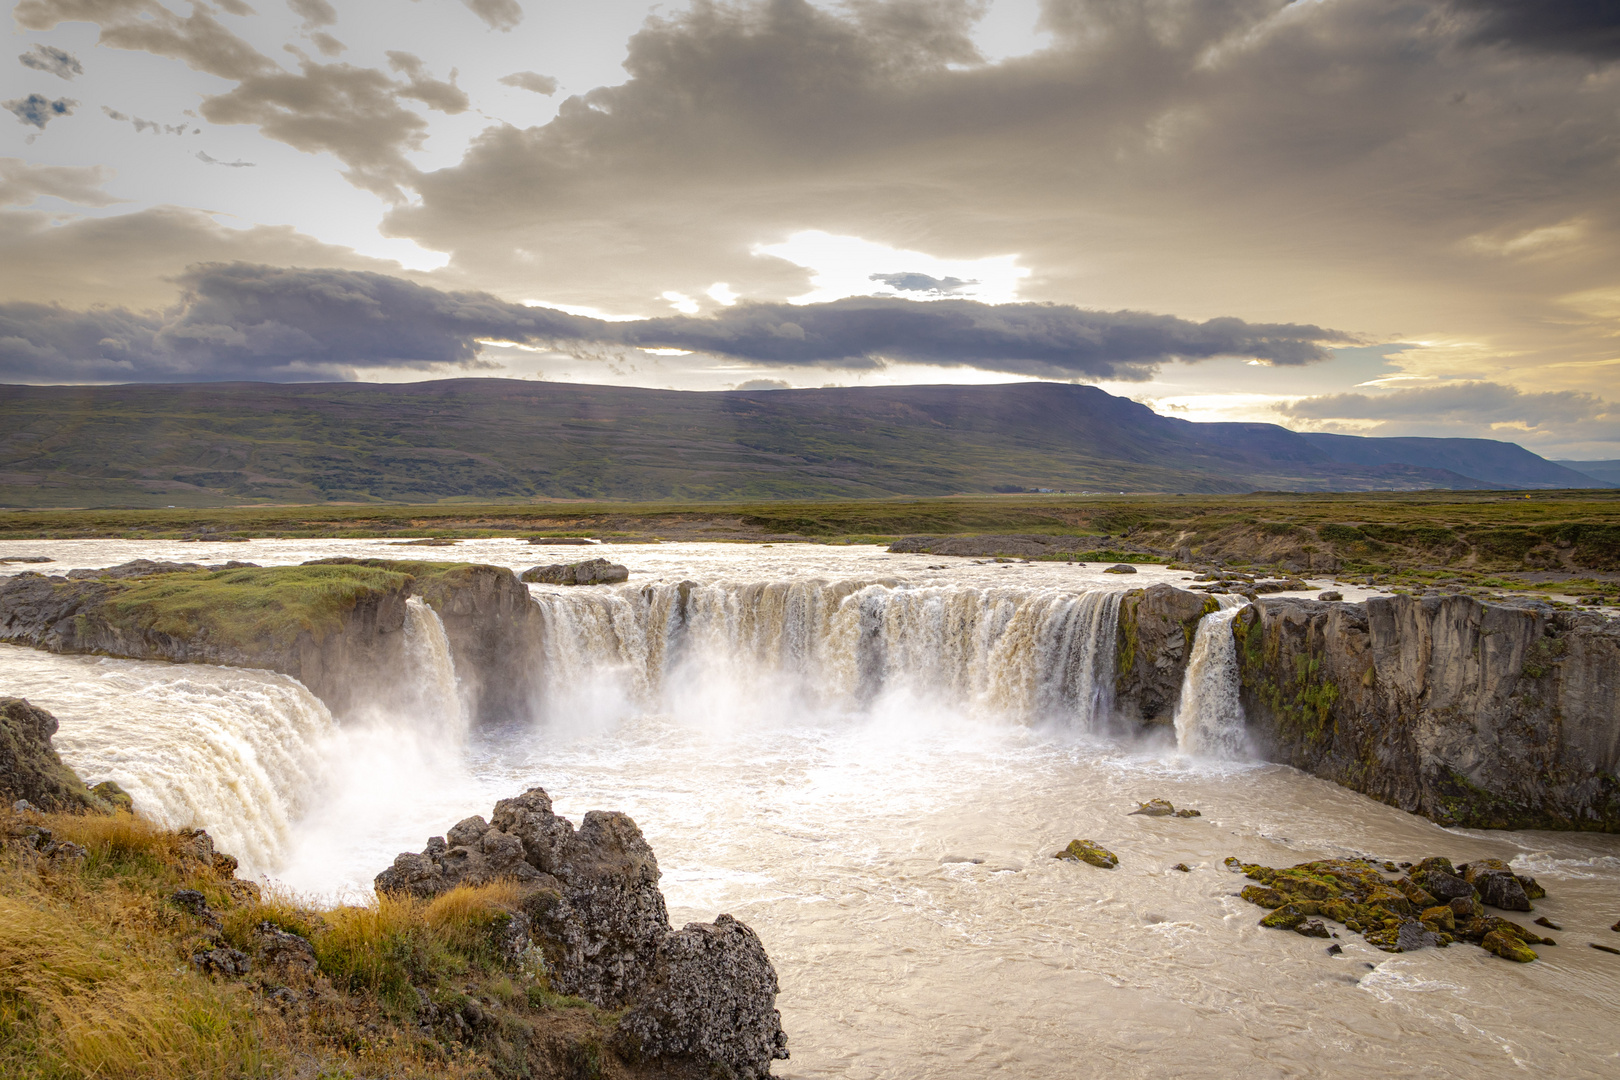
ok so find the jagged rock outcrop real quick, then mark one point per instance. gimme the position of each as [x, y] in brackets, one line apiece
[589, 572]
[1472, 714]
[29, 766]
[593, 907]
[1156, 628]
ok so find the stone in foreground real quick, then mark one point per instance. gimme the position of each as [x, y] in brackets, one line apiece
[592, 907]
[1089, 851]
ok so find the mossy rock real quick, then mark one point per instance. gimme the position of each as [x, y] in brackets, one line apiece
[113, 795]
[1264, 897]
[1089, 851]
[1287, 917]
[1508, 947]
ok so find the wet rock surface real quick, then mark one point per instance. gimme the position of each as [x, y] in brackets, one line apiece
[589, 572]
[1089, 851]
[591, 904]
[1399, 915]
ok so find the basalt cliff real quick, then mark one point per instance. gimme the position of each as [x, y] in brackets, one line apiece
[1472, 714]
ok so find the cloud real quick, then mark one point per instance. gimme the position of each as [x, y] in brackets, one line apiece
[38, 110]
[245, 321]
[315, 13]
[501, 15]
[21, 182]
[920, 283]
[141, 125]
[530, 80]
[50, 58]
[1327, 161]
[134, 259]
[1587, 28]
[1581, 423]
[205, 158]
[764, 384]
[354, 113]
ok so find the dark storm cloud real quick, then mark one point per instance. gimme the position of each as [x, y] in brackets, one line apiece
[50, 58]
[254, 322]
[37, 110]
[1031, 339]
[1589, 28]
[242, 321]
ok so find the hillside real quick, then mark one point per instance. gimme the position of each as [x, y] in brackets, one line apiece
[495, 439]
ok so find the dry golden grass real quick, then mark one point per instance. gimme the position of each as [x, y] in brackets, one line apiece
[90, 986]
[96, 979]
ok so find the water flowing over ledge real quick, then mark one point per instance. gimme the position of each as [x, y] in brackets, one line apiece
[1024, 655]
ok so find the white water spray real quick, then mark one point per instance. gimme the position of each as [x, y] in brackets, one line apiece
[707, 650]
[1209, 718]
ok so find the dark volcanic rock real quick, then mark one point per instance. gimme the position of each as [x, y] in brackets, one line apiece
[710, 1000]
[30, 768]
[1497, 885]
[592, 905]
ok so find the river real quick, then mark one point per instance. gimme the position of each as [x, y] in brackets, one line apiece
[871, 761]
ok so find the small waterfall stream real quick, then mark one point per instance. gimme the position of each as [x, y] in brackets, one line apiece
[1209, 717]
[429, 695]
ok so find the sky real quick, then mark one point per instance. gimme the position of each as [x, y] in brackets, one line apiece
[1384, 217]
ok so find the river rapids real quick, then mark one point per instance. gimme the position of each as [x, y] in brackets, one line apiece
[871, 760]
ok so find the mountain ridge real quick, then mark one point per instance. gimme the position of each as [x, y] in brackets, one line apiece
[235, 443]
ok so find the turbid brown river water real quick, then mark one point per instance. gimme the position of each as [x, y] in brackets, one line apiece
[871, 763]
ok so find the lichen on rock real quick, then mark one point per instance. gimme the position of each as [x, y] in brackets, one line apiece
[1089, 851]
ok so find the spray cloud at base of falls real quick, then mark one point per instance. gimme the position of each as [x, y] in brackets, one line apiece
[1209, 716]
[764, 650]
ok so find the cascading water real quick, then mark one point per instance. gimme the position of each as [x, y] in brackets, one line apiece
[704, 649]
[239, 751]
[429, 694]
[1209, 718]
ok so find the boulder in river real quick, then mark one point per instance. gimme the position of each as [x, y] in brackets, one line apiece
[1120, 568]
[592, 906]
[1498, 885]
[589, 572]
[1089, 851]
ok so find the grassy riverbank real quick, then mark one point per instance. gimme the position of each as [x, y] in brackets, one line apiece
[99, 977]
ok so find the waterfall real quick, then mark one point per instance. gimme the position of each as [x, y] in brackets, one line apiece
[1209, 718]
[760, 647]
[429, 695]
[239, 752]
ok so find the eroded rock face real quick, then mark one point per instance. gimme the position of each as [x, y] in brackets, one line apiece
[1473, 714]
[1156, 628]
[593, 906]
[711, 999]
